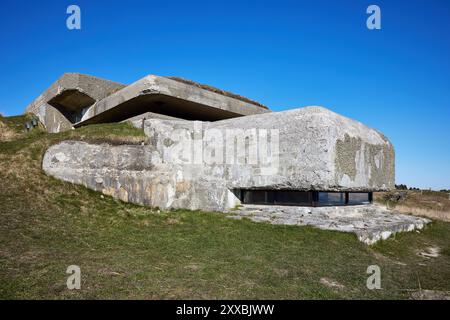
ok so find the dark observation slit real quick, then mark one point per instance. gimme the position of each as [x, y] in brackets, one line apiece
[303, 198]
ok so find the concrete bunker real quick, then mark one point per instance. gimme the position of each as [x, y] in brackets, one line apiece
[321, 168]
[319, 158]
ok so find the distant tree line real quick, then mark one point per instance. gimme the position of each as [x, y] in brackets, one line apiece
[405, 187]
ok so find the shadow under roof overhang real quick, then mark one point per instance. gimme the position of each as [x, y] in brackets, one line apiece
[71, 103]
[162, 104]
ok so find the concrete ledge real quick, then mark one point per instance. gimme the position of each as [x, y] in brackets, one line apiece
[370, 223]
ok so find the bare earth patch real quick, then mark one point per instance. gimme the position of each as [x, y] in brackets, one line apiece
[331, 283]
[430, 252]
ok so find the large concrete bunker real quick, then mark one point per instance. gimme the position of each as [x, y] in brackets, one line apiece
[213, 150]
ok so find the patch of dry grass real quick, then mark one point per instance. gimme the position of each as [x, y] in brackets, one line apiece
[429, 204]
[424, 212]
[6, 134]
[12, 128]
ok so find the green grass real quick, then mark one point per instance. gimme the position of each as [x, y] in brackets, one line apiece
[134, 252]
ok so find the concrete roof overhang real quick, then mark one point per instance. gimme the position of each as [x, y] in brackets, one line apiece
[168, 97]
[162, 104]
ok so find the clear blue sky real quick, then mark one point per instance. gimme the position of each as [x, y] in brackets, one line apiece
[285, 54]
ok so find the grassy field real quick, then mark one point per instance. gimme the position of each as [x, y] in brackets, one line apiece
[127, 251]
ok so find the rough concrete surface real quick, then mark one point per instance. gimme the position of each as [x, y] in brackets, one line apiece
[313, 153]
[72, 92]
[370, 223]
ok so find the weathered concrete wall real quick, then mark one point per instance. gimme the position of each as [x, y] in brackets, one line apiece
[321, 150]
[51, 118]
[130, 173]
[93, 87]
[316, 150]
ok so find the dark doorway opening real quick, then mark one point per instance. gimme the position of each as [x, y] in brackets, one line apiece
[71, 103]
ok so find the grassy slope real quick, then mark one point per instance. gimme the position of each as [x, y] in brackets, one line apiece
[128, 251]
